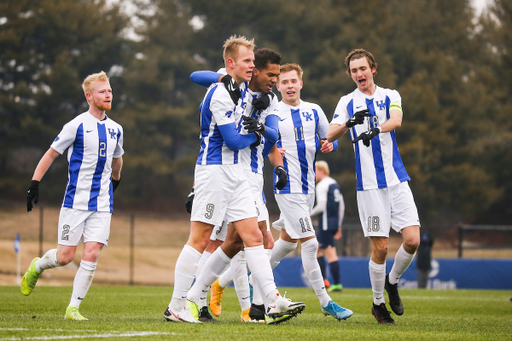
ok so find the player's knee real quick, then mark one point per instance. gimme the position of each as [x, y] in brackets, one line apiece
[310, 247]
[411, 244]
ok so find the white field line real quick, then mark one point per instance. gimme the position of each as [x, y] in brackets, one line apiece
[66, 337]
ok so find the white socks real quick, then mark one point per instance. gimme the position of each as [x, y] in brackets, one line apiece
[402, 261]
[238, 270]
[312, 270]
[377, 280]
[280, 250]
[204, 258]
[213, 268]
[257, 262]
[184, 272]
[82, 282]
[48, 261]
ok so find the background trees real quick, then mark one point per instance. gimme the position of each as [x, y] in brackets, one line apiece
[454, 72]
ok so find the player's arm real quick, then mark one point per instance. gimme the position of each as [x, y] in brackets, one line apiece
[205, 77]
[336, 131]
[321, 201]
[41, 169]
[339, 233]
[323, 128]
[233, 139]
[395, 119]
[276, 159]
[117, 165]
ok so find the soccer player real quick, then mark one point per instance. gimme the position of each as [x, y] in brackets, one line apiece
[261, 113]
[95, 148]
[330, 208]
[303, 128]
[384, 198]
[222, 193]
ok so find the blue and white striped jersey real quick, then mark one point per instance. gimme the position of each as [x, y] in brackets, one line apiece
[91, 145]
[252, 157]
[300, 128]
[218, 109]
[380, 165]
[329, 204]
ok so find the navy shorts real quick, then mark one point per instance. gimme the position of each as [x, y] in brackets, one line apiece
[325, 238]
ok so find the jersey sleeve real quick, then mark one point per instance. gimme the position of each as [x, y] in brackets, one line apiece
[222, 106]
[323, 123]
[119, 151]
[340, 113]
[65, 138]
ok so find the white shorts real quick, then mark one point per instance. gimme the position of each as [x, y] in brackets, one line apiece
[295, 215]
[385, 208]
[220, 232]
[255, 181]
[76, 226]
[221, 193]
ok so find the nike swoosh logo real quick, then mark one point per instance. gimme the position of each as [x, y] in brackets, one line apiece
[283, 119]
[88, 131]
[359, 107]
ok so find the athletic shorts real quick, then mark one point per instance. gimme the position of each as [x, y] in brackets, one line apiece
[221, 193]
[326, 238]
[76, 226]
[255, 181]
[385, 208]
[220, 232]
[295, 218]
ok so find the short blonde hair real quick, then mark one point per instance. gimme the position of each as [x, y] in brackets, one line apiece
[233, 43]
[89, 81]
[291, 67]
[323, 166]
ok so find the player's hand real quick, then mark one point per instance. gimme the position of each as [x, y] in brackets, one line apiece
[115, 183]
[326, 147]
[232, 87]
[32, 194]
[367, 136]
[258, 139]
[262, 102]
[358, 118]
[282, 177]
[190, 199]
[252, 125]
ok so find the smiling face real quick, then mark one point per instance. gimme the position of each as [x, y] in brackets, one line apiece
[264, 80]
[362, 75]
[289, 86]
[100, 97]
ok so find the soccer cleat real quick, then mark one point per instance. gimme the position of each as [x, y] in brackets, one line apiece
[216, 293]
[284, 306]
[277, 320]
[72, 313]
[337, 311]
[335, 288]
[29, 280]
[257, 312]
[381, 314]
[183, 316]
[327, 284]
[394, 298]
[244, 316]
[204, 315]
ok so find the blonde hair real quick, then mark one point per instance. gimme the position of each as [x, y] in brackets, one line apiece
[233, 43]
[323, 166]
[291, 67]
[89, 81]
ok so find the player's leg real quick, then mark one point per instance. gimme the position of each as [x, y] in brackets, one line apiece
[334, 267]
[238, 270]
[216, 290]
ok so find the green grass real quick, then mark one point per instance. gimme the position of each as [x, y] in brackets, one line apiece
[123, 313]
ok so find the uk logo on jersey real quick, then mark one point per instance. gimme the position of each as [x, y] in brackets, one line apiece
[113, 133]
[308, 116]
[381, 105]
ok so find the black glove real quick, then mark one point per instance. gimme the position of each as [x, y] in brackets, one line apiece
[190, 199]
[367, 136]
[283, 177]
[358, 118]
[252, 125]
[115, 183]
[232, 87]
[258, 139]
[262, 102]
[32, 194]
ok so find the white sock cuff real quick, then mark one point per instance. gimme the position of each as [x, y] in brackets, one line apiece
[89, 266]
[377, 267]
[190, 249]
[222, 255]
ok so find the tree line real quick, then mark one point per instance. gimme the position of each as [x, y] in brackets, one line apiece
[452, 69]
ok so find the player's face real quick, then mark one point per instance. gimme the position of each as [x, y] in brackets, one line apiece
[265, 79]
[362, 75]
[101, 96]
[243, 65]
[289, 86]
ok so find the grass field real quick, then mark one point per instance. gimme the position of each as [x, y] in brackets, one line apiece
[136, 313]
